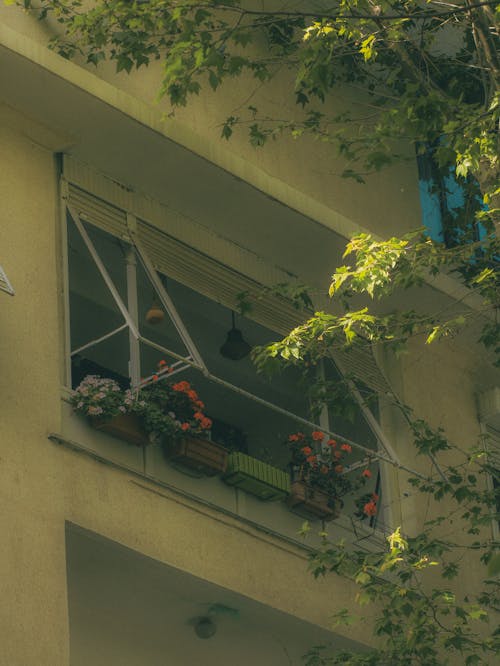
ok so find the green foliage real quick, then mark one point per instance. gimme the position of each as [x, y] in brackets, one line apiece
[419, 624]
[380, 270]
[100, 397]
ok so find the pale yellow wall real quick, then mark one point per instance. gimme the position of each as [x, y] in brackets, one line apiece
[32, 553]
[440, 382]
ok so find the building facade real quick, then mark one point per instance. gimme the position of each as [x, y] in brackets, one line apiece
[113, 554]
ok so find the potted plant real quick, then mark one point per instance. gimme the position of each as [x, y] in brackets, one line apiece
[110, 409]
[318, 475]
[256, 477]
[173, 414]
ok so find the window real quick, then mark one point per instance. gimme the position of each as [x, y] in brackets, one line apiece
[121, 268]
[110, 295]
[448, 204]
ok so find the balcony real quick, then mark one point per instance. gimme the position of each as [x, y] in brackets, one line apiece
[137, 299]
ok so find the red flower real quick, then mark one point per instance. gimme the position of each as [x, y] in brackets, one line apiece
[293, 438]
[185, 426]
[339, 468]
[337, 454]
[311, 459]
[370, 508]
[155, 378]
[317, 435]
[206, 423]
[199, 416]
[375, 497]
[332, 443]
[306, 450]
[181, 386]
[199, 404]
[366, 474]
[346, 447]
[324, 469]
[162, 363]
[192, 395]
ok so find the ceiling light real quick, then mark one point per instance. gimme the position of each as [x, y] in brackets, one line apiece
[205, 627]
[235, 347]
[155, 314]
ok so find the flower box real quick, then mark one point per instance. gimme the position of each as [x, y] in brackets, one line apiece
[123, 426]
[311, 502]
[256, 477]
[203, 456]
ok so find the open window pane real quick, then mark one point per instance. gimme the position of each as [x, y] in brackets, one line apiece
[354, 426]
[238, 421]
[209, 322]
[109, 358]
[155, 324]
[93, 310]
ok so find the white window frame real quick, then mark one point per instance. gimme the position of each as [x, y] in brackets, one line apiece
[385, 452]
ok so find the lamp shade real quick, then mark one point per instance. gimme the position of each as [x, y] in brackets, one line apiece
[205, 627]
[235, 347]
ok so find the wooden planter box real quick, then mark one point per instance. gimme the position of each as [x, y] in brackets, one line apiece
[204, 457]
[256, 477]
[124, 426]
[311, 502]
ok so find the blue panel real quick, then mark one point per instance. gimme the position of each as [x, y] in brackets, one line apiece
[431, 210]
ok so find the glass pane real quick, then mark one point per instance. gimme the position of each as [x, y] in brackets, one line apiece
[107, 359]
[356, 428]
[238, 421]
[93, 310]
[209, 323]
[155, 323]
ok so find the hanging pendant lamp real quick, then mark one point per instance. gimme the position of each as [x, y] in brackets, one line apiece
[155, 314]
[235, 347]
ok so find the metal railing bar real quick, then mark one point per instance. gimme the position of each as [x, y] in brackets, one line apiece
[96, 341]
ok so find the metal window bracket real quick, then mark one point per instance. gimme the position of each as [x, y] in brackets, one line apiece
[168, 304]
[383, 442]
[104, 273]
